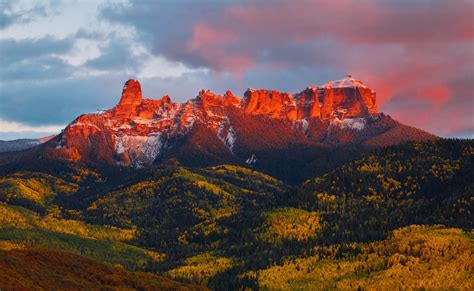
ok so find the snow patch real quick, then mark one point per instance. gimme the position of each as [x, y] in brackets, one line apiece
[61, 144]
[303, 124]
[230, 138]
[252, 160]
[142, 149]
[119, 146]
[79, 124]
[143, 121]
[350, 123]
[190, 122]
[347, 82]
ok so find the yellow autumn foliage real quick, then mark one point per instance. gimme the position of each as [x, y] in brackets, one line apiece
[414, 257]
[18, 217]
[201, 267]
[289, 224]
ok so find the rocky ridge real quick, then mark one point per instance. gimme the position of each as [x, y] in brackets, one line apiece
[136, 131]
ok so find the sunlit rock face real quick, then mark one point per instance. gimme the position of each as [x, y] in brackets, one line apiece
[130, 100]
[270, 103]
[337, 99]
[348, 97]
[137, 131]
[308, 104]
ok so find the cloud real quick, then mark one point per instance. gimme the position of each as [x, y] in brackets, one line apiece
[444, 108]
[11, 126]
[84, 49]
[37, 69]
[23, 12]
[117, 54]
[33, 59]
[12, 50]
[14, 130]
[51, 79]
[61, 59]
[408, 51]
[236, 34]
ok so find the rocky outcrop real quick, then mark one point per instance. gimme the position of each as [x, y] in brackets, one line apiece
[346, 98]
[130, 100]
[270, 103]
[136, 131]
[308, 104]
[338, 99]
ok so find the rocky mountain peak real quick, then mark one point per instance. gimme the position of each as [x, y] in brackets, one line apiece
[130, 100]
[136, 131]
[166, 99]
[346, 97]
[347, 82]
[231, 100]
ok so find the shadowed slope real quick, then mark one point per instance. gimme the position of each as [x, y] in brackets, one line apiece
[48, 269]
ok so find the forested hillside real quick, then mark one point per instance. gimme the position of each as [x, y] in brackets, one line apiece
[386, 220]
[421, 183]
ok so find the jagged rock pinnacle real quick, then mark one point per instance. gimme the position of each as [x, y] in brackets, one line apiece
[130, 100]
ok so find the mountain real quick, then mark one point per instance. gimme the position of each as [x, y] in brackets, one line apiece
[21, 144]
[314, 190]
[325, 125]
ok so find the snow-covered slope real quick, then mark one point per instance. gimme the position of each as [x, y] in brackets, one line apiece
[347, 82]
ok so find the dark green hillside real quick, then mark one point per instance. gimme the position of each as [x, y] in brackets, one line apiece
[228, 227]
[33, 190]
[180, 209]
[415, 183]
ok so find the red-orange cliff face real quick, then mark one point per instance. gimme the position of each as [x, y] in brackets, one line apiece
[131, 99]
[308, 104]
[347, 97]
[137, 131]
[343, 98]
[270, 103]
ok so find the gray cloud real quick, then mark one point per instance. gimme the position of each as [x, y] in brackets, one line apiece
[33, 59]
[213, 34]
[37, 69]
[116, 56]
[9, 16]
[285, 45]
[408, 51]
[12, 51]
[164, 26]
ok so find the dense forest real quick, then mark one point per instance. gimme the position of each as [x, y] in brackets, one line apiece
[389, 219]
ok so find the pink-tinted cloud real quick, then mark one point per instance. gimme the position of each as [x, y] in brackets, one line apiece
[253, 28]
[417, 53]
[207, 42]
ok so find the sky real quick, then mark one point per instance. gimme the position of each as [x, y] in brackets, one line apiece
[60, 59]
